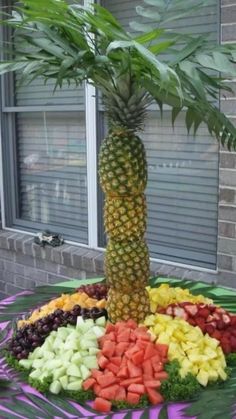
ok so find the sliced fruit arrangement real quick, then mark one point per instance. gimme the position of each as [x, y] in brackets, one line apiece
[165, 295]
[65, 302]
[29, 337]
[131, 365]
[217, 322]
[67, 356]
[98, 291]
[197, 353]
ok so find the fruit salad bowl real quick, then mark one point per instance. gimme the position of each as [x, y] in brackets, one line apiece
[61, 357]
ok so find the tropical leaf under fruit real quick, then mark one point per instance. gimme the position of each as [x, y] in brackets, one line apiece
[18, 398]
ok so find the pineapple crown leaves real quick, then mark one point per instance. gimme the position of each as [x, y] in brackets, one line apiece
[68, 42]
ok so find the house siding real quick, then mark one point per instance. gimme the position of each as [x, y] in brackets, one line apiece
[227, 169]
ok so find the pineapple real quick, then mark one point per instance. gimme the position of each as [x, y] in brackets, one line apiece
[122, 164]
[123, 178]
[124, 305]
[127, 264]
[125, 217]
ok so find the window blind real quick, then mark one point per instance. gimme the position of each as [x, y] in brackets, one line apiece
[182, 191]
[52, 171]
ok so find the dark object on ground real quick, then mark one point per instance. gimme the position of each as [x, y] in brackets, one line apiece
[47, 237]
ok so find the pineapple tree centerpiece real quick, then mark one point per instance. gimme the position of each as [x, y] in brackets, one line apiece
[69, 42]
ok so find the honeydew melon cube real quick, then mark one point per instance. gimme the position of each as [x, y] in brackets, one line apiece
[36, 374]
[47, 346]
[76, 358]
[74, 371]
[52, 364]
[86, 344]
[64, 381]
[70, 326]
[79, 321]
[59, 372]
[74, 386]
[90, 362]
[67, 355]
[26, 363]
[37, 353]
[101, 321]
[48, 355]
[63, 332]
[82, 328]
[71, 344]
[72, 379]
[85, 372]
[44, 375]
[203, 377]
[93, 351]
[38, 363]
[58, 343]
[89, 323]
[55, 387]
[90, 335]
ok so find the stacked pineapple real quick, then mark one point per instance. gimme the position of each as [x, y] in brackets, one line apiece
[123, 177]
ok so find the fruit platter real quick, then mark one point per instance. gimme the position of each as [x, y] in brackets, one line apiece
[61, 356]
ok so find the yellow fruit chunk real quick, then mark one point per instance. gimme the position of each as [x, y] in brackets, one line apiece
[197, 353]
[165, 295]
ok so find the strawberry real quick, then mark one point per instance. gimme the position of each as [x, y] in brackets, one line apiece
[169, 311]
[233, 320]
[210, 318]
[220, 325]
[180, 312]
[226, 319]
[192, 322]
[233, 343]
[191, 309]
[204, 312]
[216, 334]
[216, 316]
[210, 329]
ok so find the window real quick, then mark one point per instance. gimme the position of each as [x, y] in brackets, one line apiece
[182, 191]
[50, 142]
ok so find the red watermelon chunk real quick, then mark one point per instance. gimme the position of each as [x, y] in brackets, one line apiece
[154, 396]
[121, 347]
[147, 368]
[106, 379]
[123, 372]
[89, 383]
[136, 388]
[116, 360]
[109, 393]
[120, 394]
[137, 357]
[112, 367]
[101, 405]
[110, 328]
[162, 375]
[102, 361]
[162, 349]
[134, 371]
[123, 335]
[128, 381]
[108, 348]
[96, 389]
[150, 351]
[133, 398]
[152, 383]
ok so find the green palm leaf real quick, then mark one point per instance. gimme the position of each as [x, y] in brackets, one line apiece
[61, 45]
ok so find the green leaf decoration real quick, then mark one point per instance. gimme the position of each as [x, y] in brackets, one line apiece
[163, 412]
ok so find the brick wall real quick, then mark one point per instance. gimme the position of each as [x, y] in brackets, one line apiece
[227, 175]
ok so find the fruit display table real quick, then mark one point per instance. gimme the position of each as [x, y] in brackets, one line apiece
[19, 400]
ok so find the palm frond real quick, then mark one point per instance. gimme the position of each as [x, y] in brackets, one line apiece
[57, 41]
